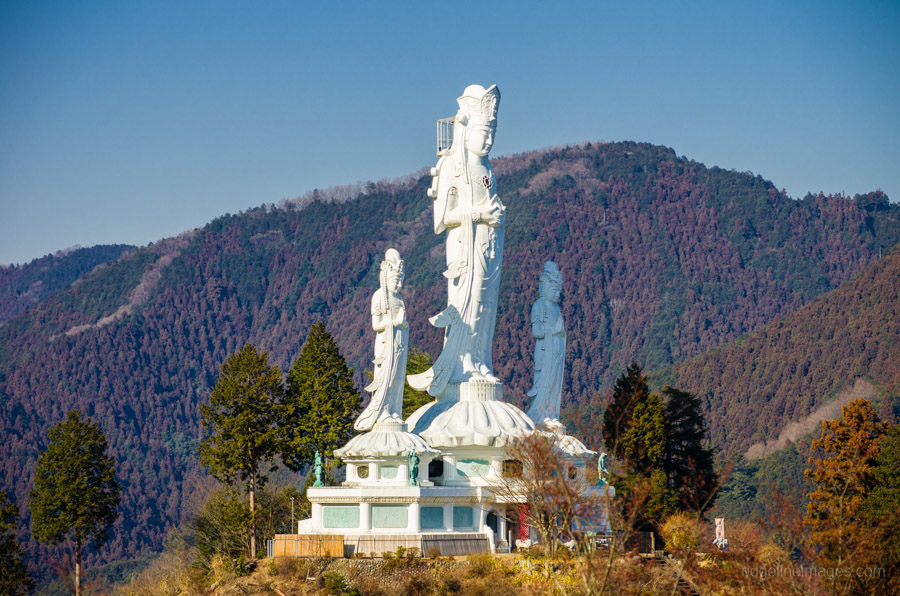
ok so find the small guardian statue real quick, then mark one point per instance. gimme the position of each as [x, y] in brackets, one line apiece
[413, 458]
[549, 331]
[317, 469]
[391, 345]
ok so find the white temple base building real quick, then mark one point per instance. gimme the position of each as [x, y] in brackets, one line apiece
[453, 506]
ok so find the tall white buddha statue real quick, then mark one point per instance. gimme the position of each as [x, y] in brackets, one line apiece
[468, 409]
[468, 209]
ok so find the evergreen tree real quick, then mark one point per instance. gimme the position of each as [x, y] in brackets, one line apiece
[643, 445]
[659, 440]
[688, 464]
[75, 492]
[417, 362]
[643, 451]
[14, 577]
[736, 497]
[882, 510]
[242, 424]
[629, 390]
[321, 402]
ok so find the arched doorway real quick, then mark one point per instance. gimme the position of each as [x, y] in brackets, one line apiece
[493, 522]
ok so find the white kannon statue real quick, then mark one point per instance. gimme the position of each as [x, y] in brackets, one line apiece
[467, 207]
[391, 345]
[549, 331]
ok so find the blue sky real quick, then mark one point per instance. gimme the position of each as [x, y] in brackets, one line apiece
[127, 122]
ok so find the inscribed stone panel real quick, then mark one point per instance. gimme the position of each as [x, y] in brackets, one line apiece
[462, 516]
[390, 516]
[340, 516]
[432, 518]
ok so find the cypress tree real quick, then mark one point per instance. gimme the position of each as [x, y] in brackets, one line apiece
[629, 390]
[75, 493]
[688, 463]
[321, 401]
[242, 424]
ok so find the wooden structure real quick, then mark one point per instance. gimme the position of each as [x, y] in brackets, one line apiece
[308, 545]
[332, 545]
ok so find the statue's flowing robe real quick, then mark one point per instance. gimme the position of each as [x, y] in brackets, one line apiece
[391, 351]
[549, 360]
[474, 260]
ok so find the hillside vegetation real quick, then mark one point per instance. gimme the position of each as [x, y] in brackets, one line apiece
[842, 345]
[23, 286]
[662, 259]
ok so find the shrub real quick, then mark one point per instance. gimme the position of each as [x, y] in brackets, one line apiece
[744, 536]
[770, 555]
[451, 585]
[433, 553]
[297, 568]
[336, 585]
[480, 564]
[418, 585]
[683, 531]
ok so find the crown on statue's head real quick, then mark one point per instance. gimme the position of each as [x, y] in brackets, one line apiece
[479, 105]
[392, 263]
[551, 273]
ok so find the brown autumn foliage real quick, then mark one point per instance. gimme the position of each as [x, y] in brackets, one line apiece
[789, 368]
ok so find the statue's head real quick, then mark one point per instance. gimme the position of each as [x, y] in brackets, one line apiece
[477, 118]
[551, 282]
[392, 272]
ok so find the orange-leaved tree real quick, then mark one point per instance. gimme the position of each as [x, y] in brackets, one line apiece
[844, 476]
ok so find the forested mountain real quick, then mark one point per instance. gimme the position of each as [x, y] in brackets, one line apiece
[23, 286]
[662, 259]
[764, 390]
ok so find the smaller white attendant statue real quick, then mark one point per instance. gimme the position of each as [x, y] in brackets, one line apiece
[550, 347]
[391, 345]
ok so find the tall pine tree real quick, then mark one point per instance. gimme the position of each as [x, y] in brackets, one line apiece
[242, 424]
[321, 401]
[75, 494]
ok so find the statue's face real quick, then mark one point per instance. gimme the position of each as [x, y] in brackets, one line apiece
[480, 140]
[394, 284]
[551, 291]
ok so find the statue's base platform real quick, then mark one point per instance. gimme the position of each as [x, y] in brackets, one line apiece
[470, 414]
